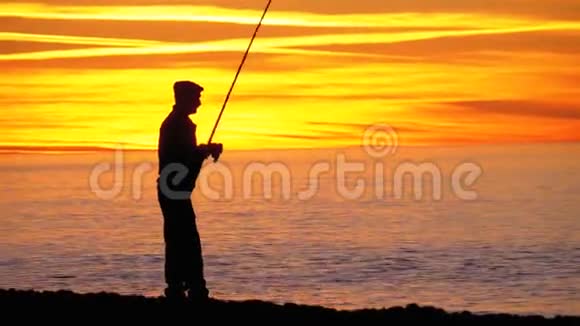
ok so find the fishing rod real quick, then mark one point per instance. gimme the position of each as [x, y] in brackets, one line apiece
[238, 72]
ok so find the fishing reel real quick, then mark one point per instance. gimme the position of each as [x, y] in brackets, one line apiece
[215, 150]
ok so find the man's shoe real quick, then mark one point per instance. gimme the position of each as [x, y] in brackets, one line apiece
[198, 298]
[175, 295]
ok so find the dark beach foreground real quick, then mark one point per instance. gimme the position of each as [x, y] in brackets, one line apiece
[61, 305]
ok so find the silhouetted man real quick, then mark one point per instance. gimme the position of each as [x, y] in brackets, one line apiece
[180, 162]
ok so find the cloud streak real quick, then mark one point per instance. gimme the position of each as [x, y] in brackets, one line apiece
[555, 9]
[211, 14]
[271, 45]
[68, 39]
[522, 108]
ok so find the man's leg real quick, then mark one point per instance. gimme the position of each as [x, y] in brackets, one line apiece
[173, 276]
[174, 236]
[195, 280]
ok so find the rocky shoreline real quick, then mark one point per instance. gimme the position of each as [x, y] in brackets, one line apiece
[64, 304]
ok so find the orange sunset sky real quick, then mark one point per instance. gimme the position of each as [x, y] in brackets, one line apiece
[99, 73]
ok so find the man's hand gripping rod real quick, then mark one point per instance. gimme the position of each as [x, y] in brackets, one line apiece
[237, 74]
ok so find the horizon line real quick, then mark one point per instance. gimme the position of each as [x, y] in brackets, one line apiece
[23, 149]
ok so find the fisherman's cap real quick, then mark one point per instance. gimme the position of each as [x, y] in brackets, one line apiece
[186, 87]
